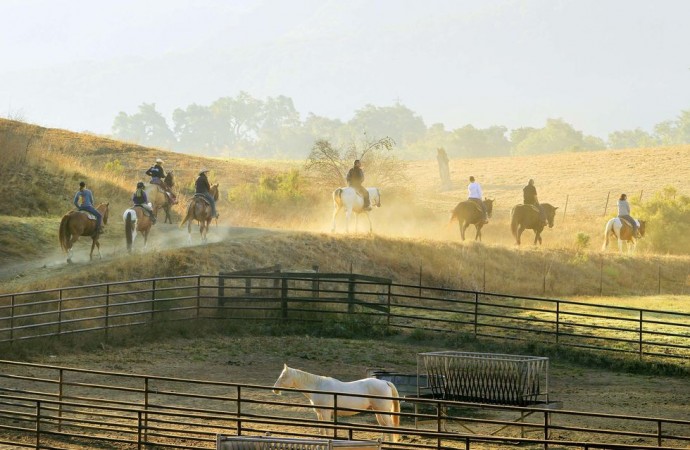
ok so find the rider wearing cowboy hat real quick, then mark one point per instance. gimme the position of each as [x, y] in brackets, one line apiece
[203, 188]
[157, 175]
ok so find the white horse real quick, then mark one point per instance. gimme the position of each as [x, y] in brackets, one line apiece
[615, 228]
[323, 403]
[135, 220]
[348, 199]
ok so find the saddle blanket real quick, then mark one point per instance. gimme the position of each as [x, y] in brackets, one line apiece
[89, 215]
[622, 222]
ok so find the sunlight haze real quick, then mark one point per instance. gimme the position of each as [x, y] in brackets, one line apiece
[599, 65]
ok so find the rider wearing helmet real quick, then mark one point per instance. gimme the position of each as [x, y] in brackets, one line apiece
[139, 198]
[203, 189]
[355, 178]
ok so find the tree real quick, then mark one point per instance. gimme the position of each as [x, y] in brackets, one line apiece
[329, 165]
[474, 142]
[147, 127]
[631, 139]
[397, 122]
[556, 136]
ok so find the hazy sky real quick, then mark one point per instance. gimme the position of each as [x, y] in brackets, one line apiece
[599, 65]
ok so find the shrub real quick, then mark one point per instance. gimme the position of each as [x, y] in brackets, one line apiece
[668, 221]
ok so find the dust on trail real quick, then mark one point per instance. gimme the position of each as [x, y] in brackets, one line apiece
[113, 247]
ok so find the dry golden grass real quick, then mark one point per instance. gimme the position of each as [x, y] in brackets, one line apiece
[412, 226]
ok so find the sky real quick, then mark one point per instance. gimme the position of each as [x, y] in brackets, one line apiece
[600, 65]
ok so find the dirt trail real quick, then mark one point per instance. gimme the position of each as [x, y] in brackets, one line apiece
[113, 247]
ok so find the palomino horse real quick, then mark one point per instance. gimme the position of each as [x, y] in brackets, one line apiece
[79, 223]
[622, 231]
[200, 210]
[524, 217]
[348, 199]
[470, 213]
[136, 221]
[386, 410]
[159, 198]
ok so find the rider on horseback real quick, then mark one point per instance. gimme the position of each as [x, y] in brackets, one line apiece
[139, 198]
[203, 189]
[355, 178]
[157, 175]
[624, 213]
[87, 204]
[474, 192]
[529, 197]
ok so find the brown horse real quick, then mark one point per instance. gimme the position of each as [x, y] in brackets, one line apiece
[523, 217]
[159, 198]
[75, 224]
[136, 221]
[200, 210]
[621, 230]
[470, 213]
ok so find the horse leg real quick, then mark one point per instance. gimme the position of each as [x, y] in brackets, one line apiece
[463, 228]
[348, 214]
[478, 236]
[335, 213]
[620, 245]
[369, 219]
[189, 231]
[323, 415]
[537, 237]
[519, 233]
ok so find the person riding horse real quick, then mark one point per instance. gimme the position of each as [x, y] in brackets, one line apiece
[355, 178]
[157, 175]
[529, 197]
[474, 194]
[203, 189]
[87, 204]
[139, 198]
[624, 213]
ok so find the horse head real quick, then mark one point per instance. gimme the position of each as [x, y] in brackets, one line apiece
[489, 205]
[169, 179]
[214, 191]
[105, 211]
[375, 199]
[641, 228]
[550, 213]
[284, 380]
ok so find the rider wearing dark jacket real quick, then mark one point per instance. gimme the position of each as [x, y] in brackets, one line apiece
[157, 175]
[139, 198]
[529, 197]
[203, 188]
[355, 178]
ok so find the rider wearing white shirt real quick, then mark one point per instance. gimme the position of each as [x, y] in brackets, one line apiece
[474, 191]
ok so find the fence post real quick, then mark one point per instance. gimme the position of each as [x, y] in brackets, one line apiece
[60, 396]
[567, 196]
[284, 298]
[315, 284]
[420, 281]
[139, 427]
[239, 410]
[221, 290]
[607, 202]
[38, 424]
[659, 287]
[601, 276]
[476, 312]
[388, 313]
[335, 416]
[153, 300]
[198, 295]
[12, 319]
[107, 310]
[641, 332]
[351, 295]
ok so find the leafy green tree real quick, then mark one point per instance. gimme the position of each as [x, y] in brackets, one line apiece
[475, 142]
[396, 122]
[147, 127]
[636, 138]
[556, 136]
[676, 132]
[668, 221]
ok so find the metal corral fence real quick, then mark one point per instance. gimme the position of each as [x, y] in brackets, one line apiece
[323, 297]
[52, 407]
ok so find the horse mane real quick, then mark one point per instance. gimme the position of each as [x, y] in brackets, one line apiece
[305, 377]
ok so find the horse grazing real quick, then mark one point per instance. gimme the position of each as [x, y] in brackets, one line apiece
[470, 213]
[159, 198]
[622, 231]
[136, 221]
[523, 217]
[386, 410]
[348, 199]
[80, 223]
[200, 210]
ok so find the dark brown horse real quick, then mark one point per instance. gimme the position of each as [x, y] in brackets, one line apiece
[523, 217]
[169, 181]
[136, 221]
[470, 213]
[200, 210]
[75, 224]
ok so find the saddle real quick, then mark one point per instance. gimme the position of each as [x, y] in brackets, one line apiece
[626, 222]
[202, 197]
[534, 208]
[89, 215]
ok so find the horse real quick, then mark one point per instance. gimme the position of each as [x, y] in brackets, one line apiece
[200, 210]
[524, 217]
[348, 199]
[159, 198]
[79, 223]
[386, 410]
[469, 213]
[136, 220]
[623, 232]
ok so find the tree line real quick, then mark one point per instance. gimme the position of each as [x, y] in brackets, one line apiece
[244, 126]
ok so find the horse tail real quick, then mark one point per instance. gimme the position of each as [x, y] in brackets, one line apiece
[514, 221]
[607, 231]
[64, 235]
[128, 229]
[337, 196]
[396, 404]
[189, 213]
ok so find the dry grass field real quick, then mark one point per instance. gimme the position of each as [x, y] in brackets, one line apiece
[412, 241]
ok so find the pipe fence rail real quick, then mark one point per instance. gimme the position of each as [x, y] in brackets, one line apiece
[317, 297]
[44, 406]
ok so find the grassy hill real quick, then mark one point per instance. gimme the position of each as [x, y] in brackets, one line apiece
[411, 231]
